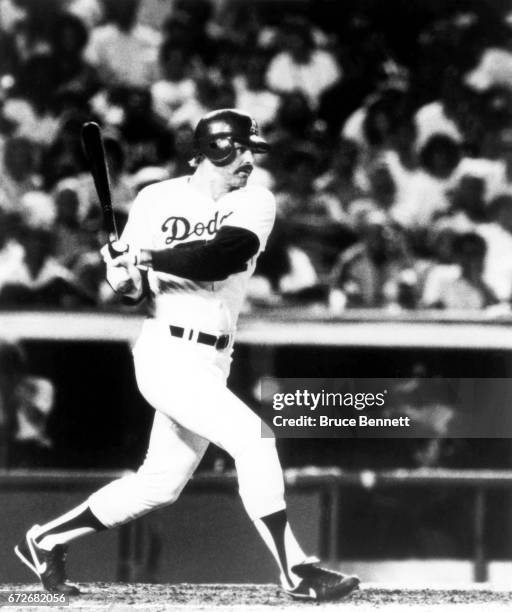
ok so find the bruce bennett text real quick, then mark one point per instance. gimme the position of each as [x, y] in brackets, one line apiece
[325, 421]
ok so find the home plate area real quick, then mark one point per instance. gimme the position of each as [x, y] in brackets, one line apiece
[249, 597]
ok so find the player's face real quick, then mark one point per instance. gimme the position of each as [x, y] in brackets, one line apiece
[237, 173]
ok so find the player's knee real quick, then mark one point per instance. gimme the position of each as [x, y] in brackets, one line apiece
[161, 488]
[255, 447]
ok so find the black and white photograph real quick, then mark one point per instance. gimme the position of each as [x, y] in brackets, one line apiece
[256, 305]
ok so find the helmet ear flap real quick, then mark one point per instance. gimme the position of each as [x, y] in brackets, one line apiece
[220, 151]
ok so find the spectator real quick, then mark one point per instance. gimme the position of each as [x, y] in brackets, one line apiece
[500, 211]
[184, 150]
[300, 66]
[498, 173]
[497, 233]
[32, 33]
[491, 171]
[124, 52]
[296, 127]
[12, 371]
[441, 266]
[466, 288]
[494, 68]
[30, 105]
[295, 119]
[187, 27]
[90, 12]
[73, 73]
[12, 13]
[382, 187]
[37, 279]
[401, 159]
[37, 209]
[381, 120]
[229, 62]
[284, 273]
[177, 87]
[468, 200]
[252, 93]
[310, 217]
[240, 23]
[89, 271]
[147, 139]
[73, 238]
[374, 123]
[31, 446]
[377, 271]
[441, 116]
[11, 251]
[19, 172]
[341, 181]
[469, 213]
[210, 95]
[402, 155]
[426, 195]
[380, 195]
[368, 67]
[65, 158]
[494, 109]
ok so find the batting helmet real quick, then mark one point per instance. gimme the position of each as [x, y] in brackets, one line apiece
[217, 132]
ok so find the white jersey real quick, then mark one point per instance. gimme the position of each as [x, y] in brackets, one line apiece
[174, 212]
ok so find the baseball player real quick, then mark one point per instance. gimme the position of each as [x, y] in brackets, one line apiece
[190, 246]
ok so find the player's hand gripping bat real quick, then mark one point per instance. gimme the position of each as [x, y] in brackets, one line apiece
[95, 152]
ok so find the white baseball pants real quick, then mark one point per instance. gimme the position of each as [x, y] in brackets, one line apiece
[186, 384]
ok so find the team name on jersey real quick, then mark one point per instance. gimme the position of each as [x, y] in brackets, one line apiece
[180, 228]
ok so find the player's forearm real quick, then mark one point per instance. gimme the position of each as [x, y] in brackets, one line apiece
[227, 254]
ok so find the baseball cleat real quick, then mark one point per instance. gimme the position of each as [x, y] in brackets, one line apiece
[47, 565]
[319, 584]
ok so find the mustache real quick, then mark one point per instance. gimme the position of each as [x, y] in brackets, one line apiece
[245, 168]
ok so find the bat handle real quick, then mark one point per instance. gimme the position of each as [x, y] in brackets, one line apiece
[112, 250]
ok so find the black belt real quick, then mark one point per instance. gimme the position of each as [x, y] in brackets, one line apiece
[219, 342]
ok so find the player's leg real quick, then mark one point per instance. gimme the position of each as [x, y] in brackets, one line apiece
[172, 457]
[261, 488]
[208, 408]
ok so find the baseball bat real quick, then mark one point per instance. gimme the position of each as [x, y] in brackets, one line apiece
[95, 152]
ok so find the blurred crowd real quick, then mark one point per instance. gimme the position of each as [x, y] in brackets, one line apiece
[391, 155]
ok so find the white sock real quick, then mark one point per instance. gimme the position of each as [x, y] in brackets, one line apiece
[74, 524]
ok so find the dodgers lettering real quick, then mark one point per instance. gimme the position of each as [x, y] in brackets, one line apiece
[180, 228]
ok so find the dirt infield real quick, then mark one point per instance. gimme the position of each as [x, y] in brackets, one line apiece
[255, 598]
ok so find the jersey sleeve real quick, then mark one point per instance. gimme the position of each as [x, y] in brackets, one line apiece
[253, 209]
